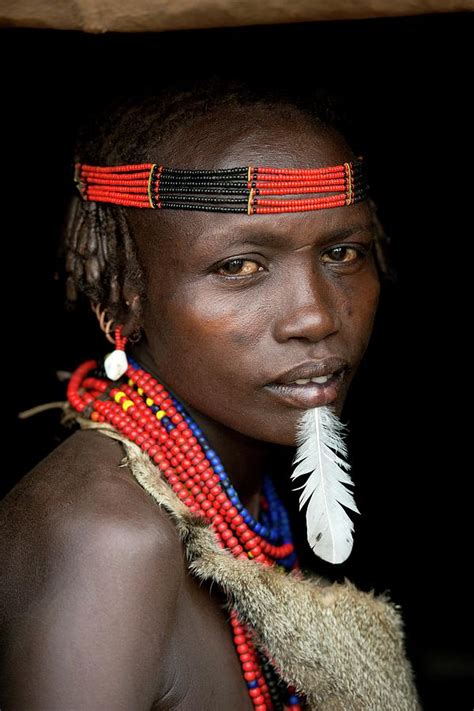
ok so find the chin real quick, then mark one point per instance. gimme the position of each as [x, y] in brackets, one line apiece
[337, 407]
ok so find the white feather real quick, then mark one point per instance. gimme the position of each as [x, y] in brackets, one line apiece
[321, 453]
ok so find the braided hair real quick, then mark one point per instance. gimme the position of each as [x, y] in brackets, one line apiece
[97, 249]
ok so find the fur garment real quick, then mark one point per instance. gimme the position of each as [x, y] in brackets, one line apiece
[341, 647]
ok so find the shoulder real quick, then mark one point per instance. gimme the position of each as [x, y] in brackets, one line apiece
[83, 481]
[80, 496]
[90, 564]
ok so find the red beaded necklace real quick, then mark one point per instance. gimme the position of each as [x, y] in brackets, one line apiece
[140, 408]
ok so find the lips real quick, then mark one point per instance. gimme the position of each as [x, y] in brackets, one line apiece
[310, 394]
[312, 369]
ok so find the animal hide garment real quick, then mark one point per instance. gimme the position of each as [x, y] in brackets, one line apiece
[340, 646]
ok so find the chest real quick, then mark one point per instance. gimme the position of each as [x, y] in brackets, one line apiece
[203, 668]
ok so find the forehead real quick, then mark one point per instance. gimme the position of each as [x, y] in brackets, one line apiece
[248, 135]
[182, 234]
[240, 137]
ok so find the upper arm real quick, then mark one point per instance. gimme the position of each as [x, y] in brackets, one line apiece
[94, 635]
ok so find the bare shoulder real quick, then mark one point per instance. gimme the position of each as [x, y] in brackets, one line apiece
[90, 563]
[81, 482]
[78, 491]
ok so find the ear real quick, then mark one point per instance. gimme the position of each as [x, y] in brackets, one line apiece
[132, 323]
[128, 315]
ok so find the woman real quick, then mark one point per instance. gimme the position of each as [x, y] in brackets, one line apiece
[234, 324]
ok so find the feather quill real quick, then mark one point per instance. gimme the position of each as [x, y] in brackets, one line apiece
[322, 453]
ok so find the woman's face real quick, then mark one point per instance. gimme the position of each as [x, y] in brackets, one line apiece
[235, 302]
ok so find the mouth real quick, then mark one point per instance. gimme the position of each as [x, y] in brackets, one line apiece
[311, 392]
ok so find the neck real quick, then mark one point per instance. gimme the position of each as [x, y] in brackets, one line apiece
[245, 460]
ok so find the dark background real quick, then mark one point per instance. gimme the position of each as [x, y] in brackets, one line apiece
[409, 81]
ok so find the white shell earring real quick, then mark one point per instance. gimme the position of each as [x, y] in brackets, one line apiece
[116, 363]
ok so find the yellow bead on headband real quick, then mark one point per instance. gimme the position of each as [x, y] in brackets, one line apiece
[243, 190]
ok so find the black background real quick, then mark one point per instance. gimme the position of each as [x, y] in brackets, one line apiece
[409, 81]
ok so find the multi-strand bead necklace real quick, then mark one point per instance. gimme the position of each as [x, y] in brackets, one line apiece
[139, 407]
[249, 189]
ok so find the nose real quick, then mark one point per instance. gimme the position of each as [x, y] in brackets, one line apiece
[309, 309]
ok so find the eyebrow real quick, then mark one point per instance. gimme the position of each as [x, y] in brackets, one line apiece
[275, 239]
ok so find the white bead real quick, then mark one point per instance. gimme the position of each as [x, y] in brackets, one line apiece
[115, 364]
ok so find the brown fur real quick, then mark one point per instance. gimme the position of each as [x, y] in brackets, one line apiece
[342, 647]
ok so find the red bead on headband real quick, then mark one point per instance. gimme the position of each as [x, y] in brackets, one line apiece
[225, 190]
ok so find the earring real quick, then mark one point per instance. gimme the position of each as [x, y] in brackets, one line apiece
[105, 326]
[116, 363]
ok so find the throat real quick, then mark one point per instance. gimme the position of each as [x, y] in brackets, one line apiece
[251, 501]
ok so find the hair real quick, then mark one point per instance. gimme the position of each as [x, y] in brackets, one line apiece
[97, 249]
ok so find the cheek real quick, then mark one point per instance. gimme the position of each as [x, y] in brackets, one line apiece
[218, 322]
[360, 308]
[208, 336]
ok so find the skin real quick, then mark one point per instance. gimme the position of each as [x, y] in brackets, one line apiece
[108, 617]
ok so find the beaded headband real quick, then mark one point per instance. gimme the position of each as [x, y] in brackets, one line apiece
[225, 190]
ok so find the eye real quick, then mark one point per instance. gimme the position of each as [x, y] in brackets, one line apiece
[342, 255]
[239, 267]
